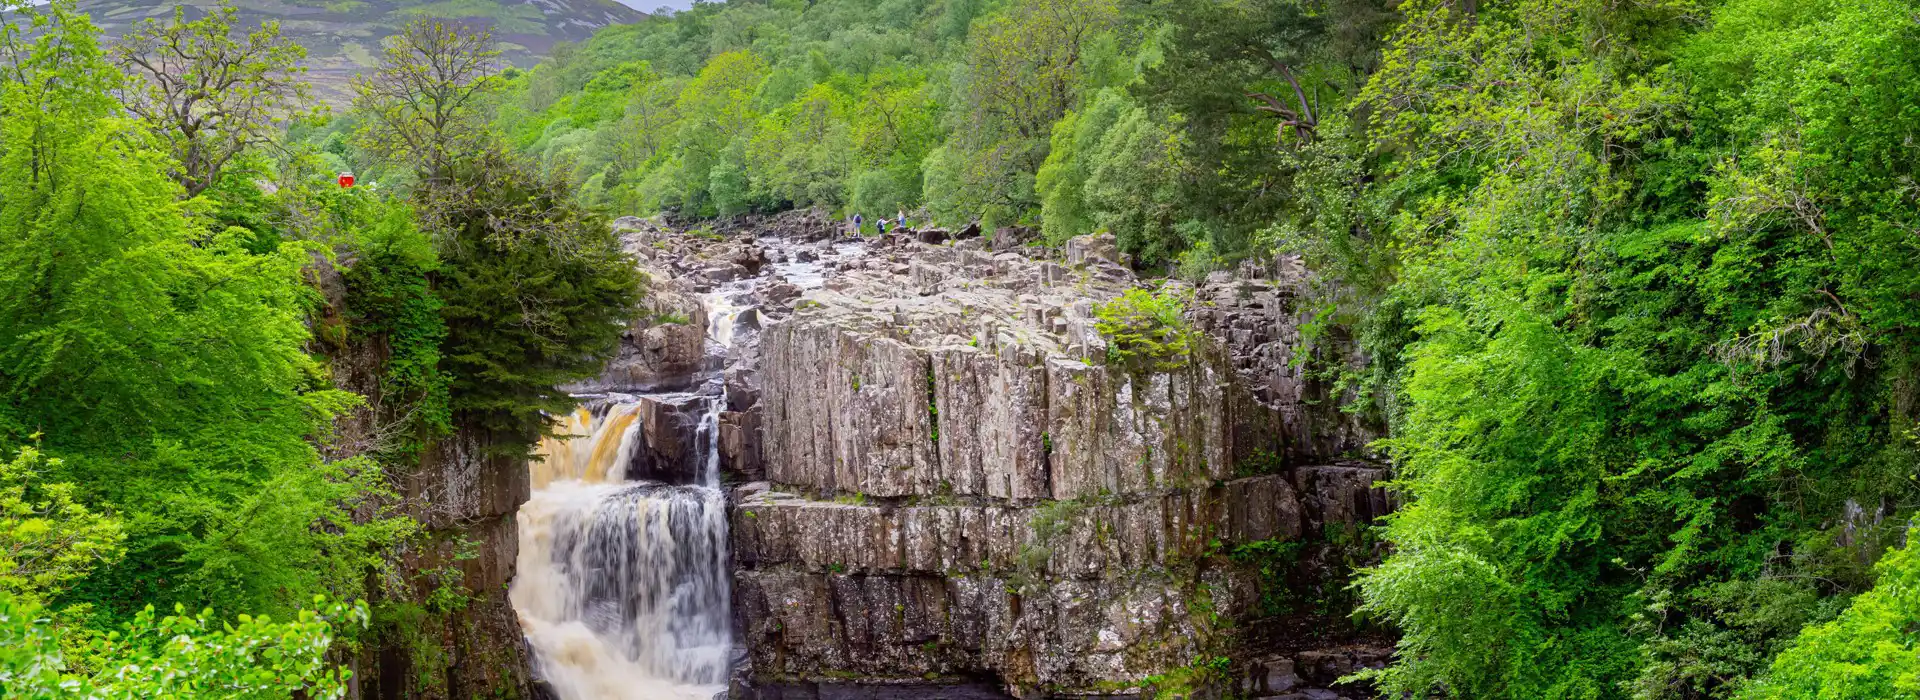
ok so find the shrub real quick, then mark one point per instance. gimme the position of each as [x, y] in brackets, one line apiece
[1145, 330]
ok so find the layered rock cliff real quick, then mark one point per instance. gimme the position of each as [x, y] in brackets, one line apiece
[946, 478]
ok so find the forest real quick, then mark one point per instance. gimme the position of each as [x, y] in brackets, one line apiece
[1637, 284]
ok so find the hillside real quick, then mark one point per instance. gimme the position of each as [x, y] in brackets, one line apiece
[343, 36]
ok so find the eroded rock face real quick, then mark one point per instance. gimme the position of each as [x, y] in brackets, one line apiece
[938, 474]
[1068, 594]
[1258, 315]
[1082, 539]
[464, 496]
[979, 375]
[1069, 633]
[958, 484]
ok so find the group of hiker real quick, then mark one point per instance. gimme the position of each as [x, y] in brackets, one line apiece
[882, 224]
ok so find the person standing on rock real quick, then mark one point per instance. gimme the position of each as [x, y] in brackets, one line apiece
[856, 224]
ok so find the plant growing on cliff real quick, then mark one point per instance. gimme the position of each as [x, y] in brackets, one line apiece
[391, 298]
[1273, 561]
[1049, 521]
[1194, 680]
[1146, 331]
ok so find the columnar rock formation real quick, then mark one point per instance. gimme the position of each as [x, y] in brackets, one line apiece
[950, 480]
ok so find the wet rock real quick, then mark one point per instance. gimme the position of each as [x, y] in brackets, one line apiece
[1343, 495]
[672, 446]
[750, 259]
[740, 445]
[777, 293]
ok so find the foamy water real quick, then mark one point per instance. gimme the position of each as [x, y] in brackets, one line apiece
[622, 590]
[622, 586]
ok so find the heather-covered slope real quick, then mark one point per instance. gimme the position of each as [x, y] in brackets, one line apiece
[342, 37]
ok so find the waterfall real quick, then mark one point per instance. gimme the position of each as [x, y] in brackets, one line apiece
[622, 590]
[622, 586]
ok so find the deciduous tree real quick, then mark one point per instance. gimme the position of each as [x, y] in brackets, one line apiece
[423, 106]
[207, 91]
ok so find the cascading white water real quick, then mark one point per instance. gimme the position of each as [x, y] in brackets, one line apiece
[622, 587]
[622, 590]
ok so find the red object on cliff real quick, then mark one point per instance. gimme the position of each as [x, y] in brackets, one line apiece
[346, 179]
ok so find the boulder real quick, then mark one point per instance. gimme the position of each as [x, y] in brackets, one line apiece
[1092, 249]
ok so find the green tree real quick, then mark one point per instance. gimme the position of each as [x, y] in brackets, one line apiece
[422, 106]
[505, 230]
[209, 94]
[164, 359]
[714, 108]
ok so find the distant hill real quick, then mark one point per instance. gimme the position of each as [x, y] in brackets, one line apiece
[343, 37]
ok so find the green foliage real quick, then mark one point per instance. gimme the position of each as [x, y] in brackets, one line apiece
[177, 656]
[163, 356]
[1655, 345]
[506, 230]
[1635, 285]
[46, 538]
[852, 108]
[392, 297]
[1146, 330]
[1116, 168]
[1274, 561]
[1194, 680]
[1868, 652]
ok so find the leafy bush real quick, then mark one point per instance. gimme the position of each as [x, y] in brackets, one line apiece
[46, 538]
[177, 656]
[1146, 330]
[1871, 651]
[1273, 561]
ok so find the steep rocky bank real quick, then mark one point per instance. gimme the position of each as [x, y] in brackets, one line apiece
[939, 477]
[465, 497]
